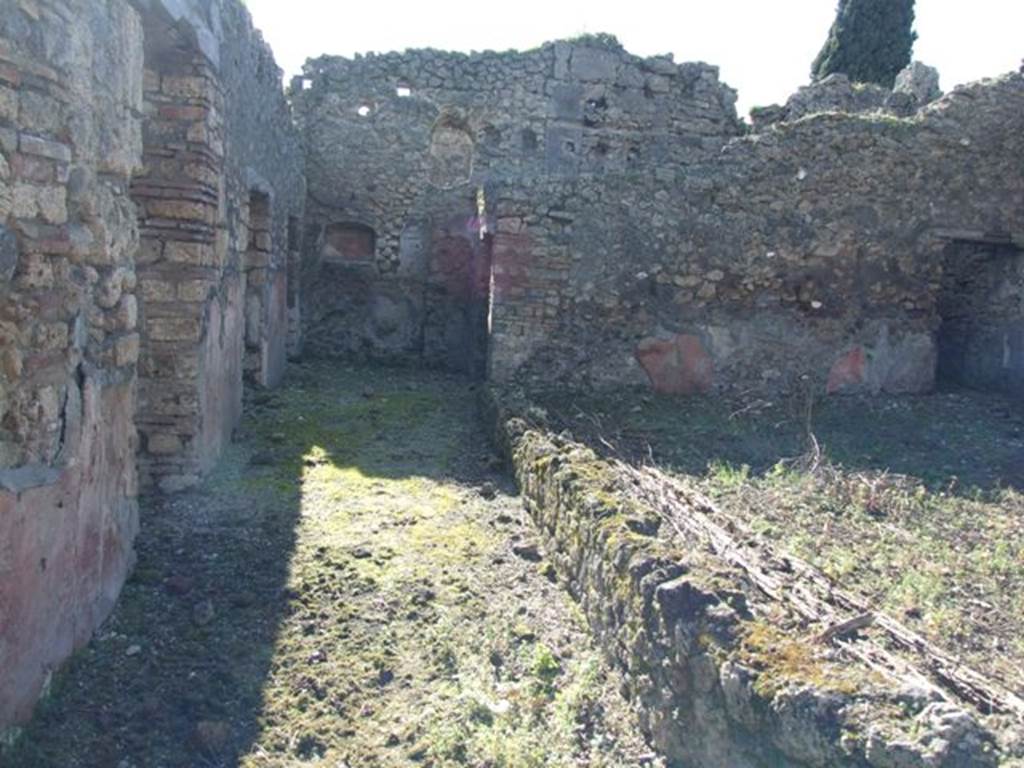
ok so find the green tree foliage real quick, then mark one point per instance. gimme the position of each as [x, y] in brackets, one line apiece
[870, 41]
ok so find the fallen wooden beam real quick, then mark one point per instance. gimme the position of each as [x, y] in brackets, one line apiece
[813, 596]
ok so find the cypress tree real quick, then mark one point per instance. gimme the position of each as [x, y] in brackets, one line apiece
[870, 41]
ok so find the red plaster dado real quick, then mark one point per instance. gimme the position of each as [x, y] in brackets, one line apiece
[848, 371]
[677, 366]
[65, 550]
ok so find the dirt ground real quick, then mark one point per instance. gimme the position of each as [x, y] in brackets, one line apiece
[914, 503]
[355, 586]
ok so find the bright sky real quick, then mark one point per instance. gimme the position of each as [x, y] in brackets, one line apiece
[764, 48]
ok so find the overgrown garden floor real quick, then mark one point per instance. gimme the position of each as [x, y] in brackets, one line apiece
[356, 587]
[915, 504]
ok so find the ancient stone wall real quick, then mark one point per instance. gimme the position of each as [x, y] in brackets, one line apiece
[812, 249]
[631, 234]
[70, 100]
[713, 679]
[222, 179]
[400, 146]
[133, 290]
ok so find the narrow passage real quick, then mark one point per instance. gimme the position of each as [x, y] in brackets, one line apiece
[355, 585]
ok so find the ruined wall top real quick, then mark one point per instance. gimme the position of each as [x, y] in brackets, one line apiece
[565, 108]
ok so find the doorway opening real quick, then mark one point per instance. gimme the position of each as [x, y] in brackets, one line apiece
[981, 304]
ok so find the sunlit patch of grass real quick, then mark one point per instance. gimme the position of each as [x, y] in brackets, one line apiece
[728, 475]
[367, 608]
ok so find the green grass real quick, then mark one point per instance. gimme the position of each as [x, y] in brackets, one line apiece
[915, 503]
[368, 609]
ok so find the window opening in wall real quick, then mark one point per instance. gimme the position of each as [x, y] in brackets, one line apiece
[349, 242]
[451, 151]
[403, 91]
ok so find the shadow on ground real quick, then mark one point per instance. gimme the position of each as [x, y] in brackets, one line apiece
[177, 676]
[960, 442]
[343, 590]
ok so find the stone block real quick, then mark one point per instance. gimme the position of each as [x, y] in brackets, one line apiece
[33, 168]
[174, 328]
[8, 104]
[126, 350]
[51, 336]
[35, 273]
[657, 84]
[566, 101]
[150, 81]
[594, 64]
[35, 145]
[184, 87]
[127, 315]
[194, 290]
[157, 290]
[8, 254]
[43, 200]
[44, 114]
[150, 250]
[198, 254]
[179, 209]
[182, 112]
[109, 290]
[163, 444]
[919, 81]
[11, 363]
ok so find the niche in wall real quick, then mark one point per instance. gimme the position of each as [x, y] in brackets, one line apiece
[451, 152]
[348, 242]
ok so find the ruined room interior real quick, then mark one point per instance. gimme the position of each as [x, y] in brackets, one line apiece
[303, 386]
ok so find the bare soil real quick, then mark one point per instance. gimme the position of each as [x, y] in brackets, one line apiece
[354, 586]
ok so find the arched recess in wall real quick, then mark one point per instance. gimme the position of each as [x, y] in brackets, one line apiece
[451, 151]
[348, 242]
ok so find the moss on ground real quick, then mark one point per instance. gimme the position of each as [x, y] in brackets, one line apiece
[341, 591]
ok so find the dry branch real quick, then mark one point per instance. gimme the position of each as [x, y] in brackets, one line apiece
[813, 596]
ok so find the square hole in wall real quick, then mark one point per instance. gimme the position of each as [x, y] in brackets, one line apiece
[349, 242]
[403, 91]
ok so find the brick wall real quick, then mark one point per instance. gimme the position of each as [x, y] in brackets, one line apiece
[127, 156]
[70, 96]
